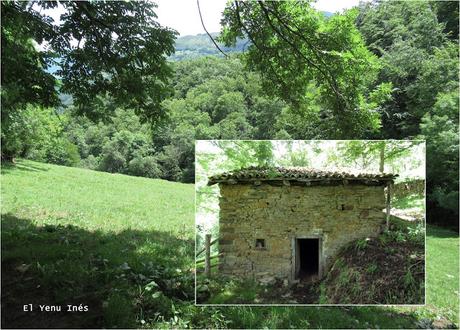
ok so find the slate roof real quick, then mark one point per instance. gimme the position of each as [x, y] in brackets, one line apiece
[299, 174]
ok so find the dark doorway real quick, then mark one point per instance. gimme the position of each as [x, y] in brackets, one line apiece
[307, 257]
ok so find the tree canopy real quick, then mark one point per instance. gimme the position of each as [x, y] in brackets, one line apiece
[102, 49]
[297, 50]
[383, 70]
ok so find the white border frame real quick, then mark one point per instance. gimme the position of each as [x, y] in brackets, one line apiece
[319, 305]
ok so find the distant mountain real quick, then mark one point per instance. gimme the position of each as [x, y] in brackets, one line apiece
[193, 46]
[188, 47]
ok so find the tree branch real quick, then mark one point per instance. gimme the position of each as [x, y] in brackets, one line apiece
[259, 47]
[209, 34]
[330, 81]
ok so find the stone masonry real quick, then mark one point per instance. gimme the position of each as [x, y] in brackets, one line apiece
[281, 211]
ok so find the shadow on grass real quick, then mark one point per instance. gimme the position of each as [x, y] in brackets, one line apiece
[8, 167]
[108, 272]
[439, 232]
[59, 265]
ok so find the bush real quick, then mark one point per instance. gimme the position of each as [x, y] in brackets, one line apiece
[169, 160]
[90, 162]
[112, 161]
[144, 166]
[29, 131]
[63, 152]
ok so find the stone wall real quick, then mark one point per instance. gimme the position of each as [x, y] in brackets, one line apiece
[279, 214]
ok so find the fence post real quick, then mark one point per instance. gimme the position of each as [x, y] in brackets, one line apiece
[207, 260]
[388, 202]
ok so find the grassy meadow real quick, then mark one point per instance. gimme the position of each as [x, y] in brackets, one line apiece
[123, 246]
[86, 237]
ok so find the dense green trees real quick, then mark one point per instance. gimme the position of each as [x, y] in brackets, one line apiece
[122, 145]
[447, 13]
[103, 49]
[308, 59]
[417, 44]
[38, 133]
[390, 156]
[416, 56]
[214, 98]
[387, 69]
[440, 128]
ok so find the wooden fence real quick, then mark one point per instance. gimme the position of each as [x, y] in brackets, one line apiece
[206, 260]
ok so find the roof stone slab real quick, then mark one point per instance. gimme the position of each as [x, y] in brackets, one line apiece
[300, 175]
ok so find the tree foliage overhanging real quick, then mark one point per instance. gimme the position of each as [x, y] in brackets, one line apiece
[102, 48]
[417, 44]
[296, 49]
[383, 70]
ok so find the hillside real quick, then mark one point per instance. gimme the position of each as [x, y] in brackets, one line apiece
[123, 247]
[78, 236]
[91, 199]
[193, 46]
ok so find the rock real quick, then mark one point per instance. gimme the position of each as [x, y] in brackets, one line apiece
[268, 280]
[442, 323]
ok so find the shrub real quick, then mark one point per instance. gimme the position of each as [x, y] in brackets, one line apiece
[112, 161]
[144, 166]
[90, 162]
[63, 152]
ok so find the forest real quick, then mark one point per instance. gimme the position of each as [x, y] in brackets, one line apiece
[108, 94]
[404, 87]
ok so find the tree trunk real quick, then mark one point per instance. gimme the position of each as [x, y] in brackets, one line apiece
[388, 205]
[382, 158]
[207, 258]
[8, 158]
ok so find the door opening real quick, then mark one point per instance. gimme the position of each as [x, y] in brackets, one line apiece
[307, 258]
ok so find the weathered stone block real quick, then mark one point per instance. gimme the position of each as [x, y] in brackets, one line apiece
[281, 214]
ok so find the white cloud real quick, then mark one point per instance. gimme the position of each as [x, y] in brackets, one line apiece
[183, 16]
[334, 6]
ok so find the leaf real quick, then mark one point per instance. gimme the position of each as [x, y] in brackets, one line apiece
[151, 285]
[157, 295]
[125, 266]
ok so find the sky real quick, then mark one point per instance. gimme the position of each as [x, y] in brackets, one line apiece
[182, 15]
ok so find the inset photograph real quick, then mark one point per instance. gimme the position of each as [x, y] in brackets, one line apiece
[310, 222]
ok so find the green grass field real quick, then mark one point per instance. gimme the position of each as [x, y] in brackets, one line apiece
[93, 238]
[124, 246]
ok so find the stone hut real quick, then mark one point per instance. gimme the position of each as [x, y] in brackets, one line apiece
[289, 223]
